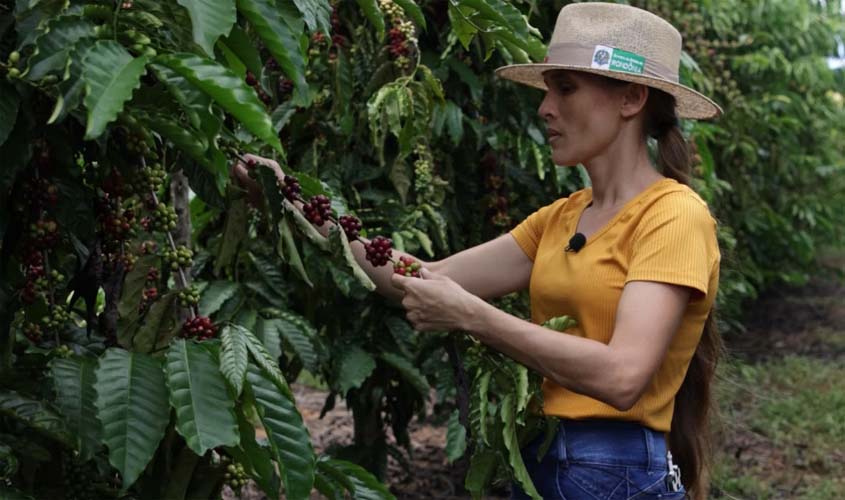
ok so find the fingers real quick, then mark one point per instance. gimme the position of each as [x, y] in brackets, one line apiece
[399, 281]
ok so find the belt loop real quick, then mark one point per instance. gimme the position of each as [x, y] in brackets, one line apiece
[649, 446]
[561, 444]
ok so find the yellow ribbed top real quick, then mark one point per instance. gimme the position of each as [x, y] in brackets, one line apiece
[665, 234]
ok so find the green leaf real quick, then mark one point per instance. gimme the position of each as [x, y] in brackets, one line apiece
[316, 14]
[158, 324]
[289, 252]
[374, 15]
[256, 458]
[269, 271]
[358, 481]
[242, 47]
[288, 436]
[195, 103]
[560, 323]
[227, 89]
[233, 358]
[9, 103]
[54, 46]
[267, 332]
[183, 137]
[110, 75]
[408, 371]
[481, 469]
[71, 88]
[425, 241]
[266, 361]
[215, 294]
[132, 409]
[37, 415]
[511, 440]
[301, 337]
[355, 366]
[73, 379]
[413, 10]
[456, 437]
[210, 20]
[520, 383]
[277, 30]
[234, 232]
[205, 411]
[479, 404]
[340, 247]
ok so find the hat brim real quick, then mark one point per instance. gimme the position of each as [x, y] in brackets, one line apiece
[689, 103]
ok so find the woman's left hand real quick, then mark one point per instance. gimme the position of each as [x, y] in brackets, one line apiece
[435, 302]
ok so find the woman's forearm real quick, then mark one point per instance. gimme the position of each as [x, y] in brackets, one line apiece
[582, 365]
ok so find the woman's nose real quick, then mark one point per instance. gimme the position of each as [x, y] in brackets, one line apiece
[546, 109]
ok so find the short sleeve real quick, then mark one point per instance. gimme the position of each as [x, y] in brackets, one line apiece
[530, 231]
[675, 242]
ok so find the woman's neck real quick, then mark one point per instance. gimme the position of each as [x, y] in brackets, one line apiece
[619, 174]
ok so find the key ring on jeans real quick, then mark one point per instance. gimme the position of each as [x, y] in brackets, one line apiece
[673, 478]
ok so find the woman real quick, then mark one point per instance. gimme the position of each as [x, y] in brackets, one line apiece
[632, 380]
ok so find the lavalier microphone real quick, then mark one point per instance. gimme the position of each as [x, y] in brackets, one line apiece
[576, 243]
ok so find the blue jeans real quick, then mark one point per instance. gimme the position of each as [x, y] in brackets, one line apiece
[599, 460]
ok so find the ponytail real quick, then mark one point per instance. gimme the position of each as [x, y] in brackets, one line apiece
[689, 438]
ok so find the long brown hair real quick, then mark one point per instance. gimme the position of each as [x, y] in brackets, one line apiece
[690, 439]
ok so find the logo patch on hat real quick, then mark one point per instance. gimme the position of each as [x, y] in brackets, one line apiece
[610, 59]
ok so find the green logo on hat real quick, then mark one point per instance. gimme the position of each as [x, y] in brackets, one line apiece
[627, 62]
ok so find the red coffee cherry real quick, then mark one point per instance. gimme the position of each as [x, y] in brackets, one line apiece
[407, 266]
[200, 328]
[250, 79]
[291, 188]
[318, 210]
[379, 250]
[351, 226]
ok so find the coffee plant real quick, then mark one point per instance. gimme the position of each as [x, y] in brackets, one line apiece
[153, 314]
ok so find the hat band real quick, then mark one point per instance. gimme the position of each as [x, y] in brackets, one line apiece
[609, 59]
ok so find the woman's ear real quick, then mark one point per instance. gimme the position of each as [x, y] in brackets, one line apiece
[634, 99]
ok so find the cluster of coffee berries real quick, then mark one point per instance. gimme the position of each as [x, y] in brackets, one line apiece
[379, 250]
[318, 210]
[58, 316]
[163, 219]
[127, 260]
[119, 224]
[63, 351]
[79, 479]
[139, 43]
[252, 81]
[179, 258]
[33, 332]
[235, 476]
[199, 328]
[402, 35]
[44, 233]
[40, 193]
[407, 266]
[151, 177]
[351, 226]
[148, 247]
[189, 296]
[291, 188]
[150, 292]
[14, 59]
[498, 202]
[284, 86]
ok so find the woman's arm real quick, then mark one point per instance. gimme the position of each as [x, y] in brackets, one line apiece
[647, 317]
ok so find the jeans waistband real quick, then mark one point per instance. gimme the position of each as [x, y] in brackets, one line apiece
[611, 443]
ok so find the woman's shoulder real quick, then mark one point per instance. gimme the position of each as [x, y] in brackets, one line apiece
[674, 199]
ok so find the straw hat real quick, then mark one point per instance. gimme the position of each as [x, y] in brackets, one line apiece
[621, 42]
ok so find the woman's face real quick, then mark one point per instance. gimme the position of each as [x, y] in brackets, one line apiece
[582, 114]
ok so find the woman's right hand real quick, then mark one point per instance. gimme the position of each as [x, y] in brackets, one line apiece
[240, 172]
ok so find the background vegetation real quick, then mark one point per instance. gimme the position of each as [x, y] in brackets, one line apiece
[141, 293]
